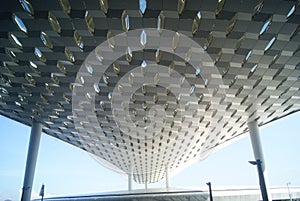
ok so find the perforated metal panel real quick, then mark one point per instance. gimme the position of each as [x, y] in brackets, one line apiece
[250, 72]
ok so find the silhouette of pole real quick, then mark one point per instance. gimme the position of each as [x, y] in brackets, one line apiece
[261, 177]
[210, 192]
[42, 192]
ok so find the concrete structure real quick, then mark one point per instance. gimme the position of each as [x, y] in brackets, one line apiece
[149, 86]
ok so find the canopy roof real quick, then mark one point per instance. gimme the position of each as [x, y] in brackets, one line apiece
[149, 86]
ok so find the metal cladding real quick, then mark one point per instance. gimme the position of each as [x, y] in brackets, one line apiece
[146, 86]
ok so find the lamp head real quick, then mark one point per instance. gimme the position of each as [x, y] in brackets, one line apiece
[253, 162]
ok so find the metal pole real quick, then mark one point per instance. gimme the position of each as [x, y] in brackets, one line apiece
[42, 192]
[32, 154]
[210, 191]
[262, 183]
[258, 154]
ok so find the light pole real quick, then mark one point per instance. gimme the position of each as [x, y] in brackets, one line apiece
[210, 192]
[42, 192]
[262, 183]
[288, 187]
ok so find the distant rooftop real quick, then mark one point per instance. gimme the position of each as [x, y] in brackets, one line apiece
[174, 194]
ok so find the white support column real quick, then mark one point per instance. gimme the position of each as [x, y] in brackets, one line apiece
[129, 182]
[32, 154]
[146, 182]
[167, 178]
[130, 179]
[256, 143]
[258, 151]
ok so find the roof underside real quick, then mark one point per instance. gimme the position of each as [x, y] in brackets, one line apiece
[145, 105]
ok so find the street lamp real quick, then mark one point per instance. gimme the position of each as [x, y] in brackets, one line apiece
[262, 183]
[288, 187]
[42, 192]
[210, 192]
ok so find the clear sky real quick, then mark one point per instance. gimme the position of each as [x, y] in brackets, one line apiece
[66, 170]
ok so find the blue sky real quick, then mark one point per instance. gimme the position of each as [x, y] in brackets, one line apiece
[66, 170]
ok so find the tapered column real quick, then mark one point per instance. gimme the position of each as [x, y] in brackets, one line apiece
[167, 178]
[130, 179]
[32, 154]
[259, 157]
[256, 143]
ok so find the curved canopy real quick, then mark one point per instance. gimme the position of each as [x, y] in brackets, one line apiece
[147, 86]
